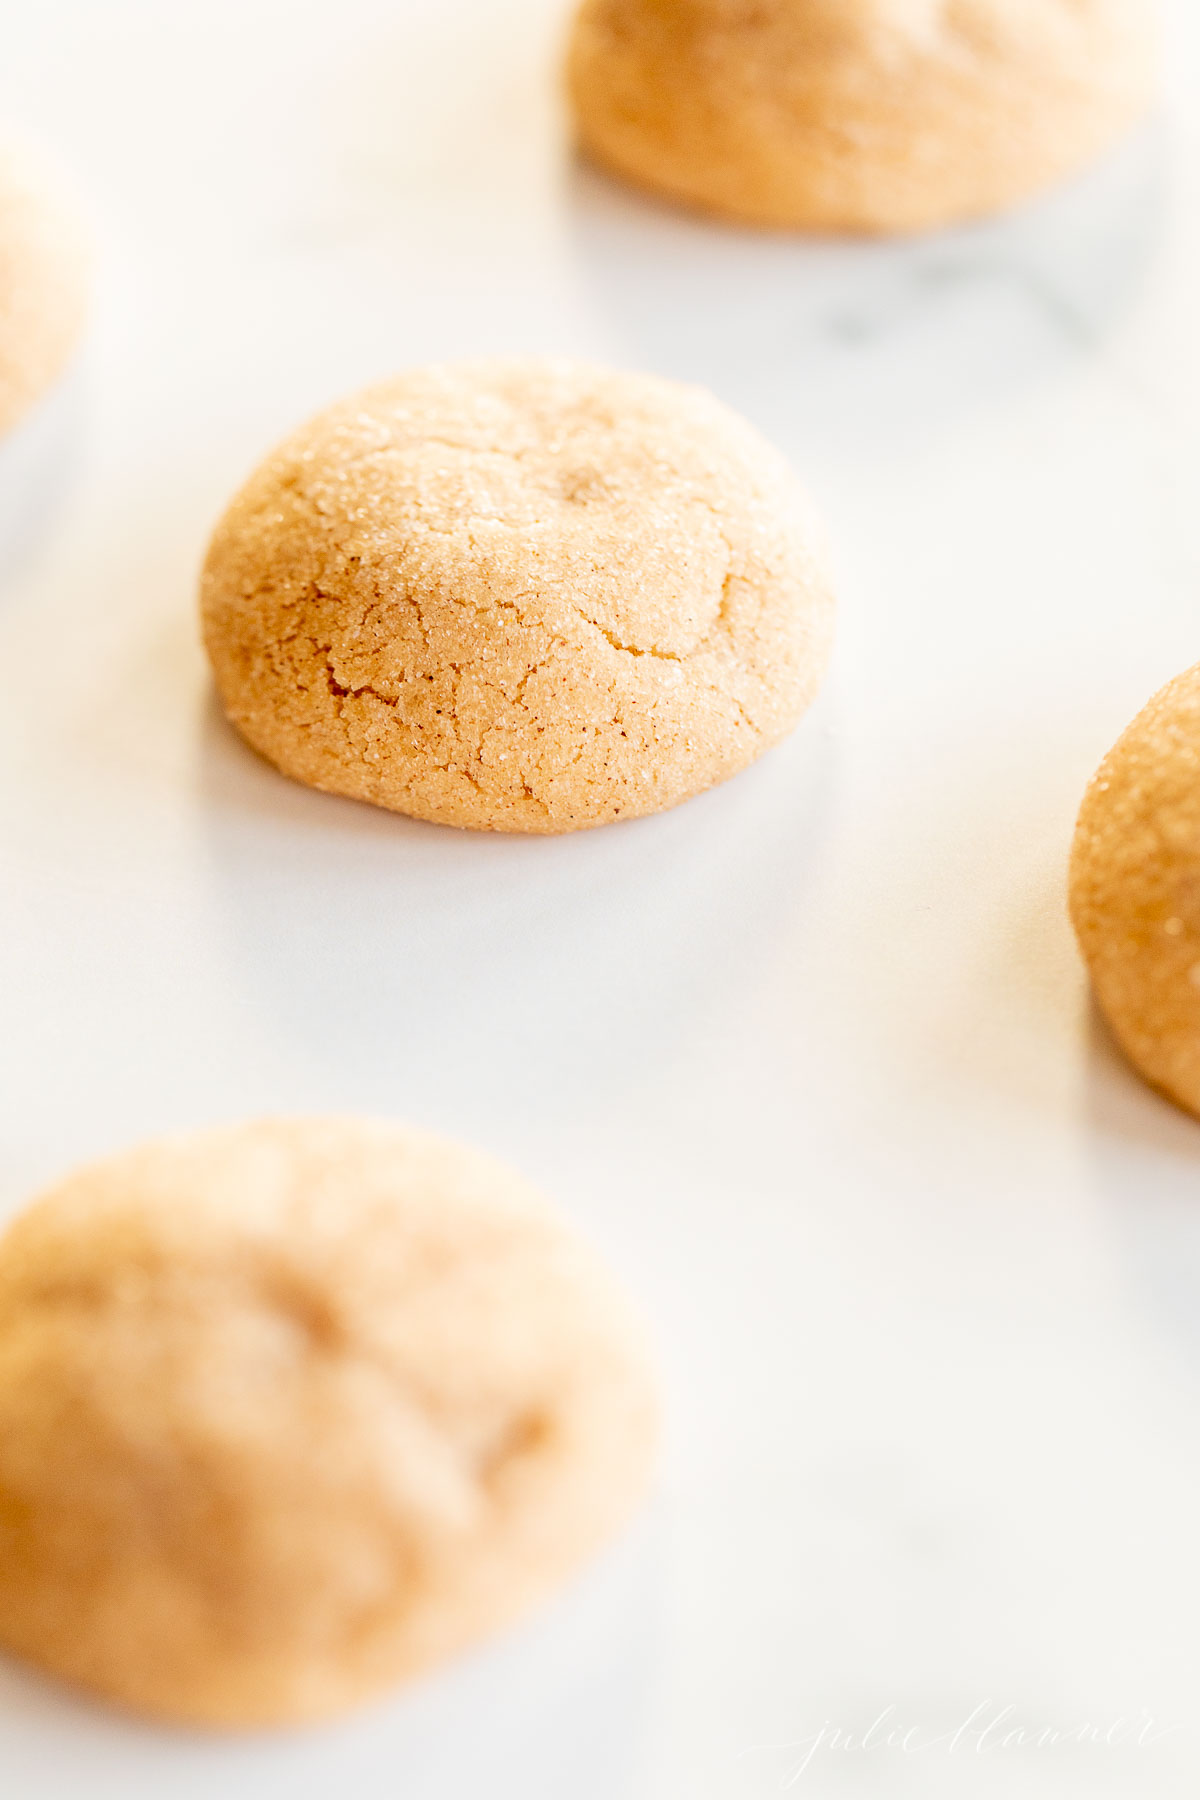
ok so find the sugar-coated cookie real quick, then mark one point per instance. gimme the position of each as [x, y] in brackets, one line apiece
[527, 595]
[1135, 889]
[292, 1411]
[856, 115]
[44, 260]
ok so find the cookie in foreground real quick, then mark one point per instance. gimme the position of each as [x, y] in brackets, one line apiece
[44, 277]
[857, 115]
[1135, 890]
[529, 595]
[295, 1410]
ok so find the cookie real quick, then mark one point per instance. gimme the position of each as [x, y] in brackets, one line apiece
[1135, 890]
[521, 595]
[856, 115]
[43, 279]
[292, 1411]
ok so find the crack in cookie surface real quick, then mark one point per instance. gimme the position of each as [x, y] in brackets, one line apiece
[530, 596]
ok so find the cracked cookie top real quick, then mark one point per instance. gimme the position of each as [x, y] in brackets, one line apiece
[518, 595]
[290, 1411]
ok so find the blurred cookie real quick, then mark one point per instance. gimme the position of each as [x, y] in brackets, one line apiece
[43, 278]
[521, 595]
[1135, 889]
[856, 115]
[292, 1411]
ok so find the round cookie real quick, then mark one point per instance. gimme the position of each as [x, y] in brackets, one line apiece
[856, 115]
[1135, 889]
[292, 1411]
[527, 595]
[43, 279]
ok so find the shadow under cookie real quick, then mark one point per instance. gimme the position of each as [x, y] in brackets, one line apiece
[863, 350]
[406, 964]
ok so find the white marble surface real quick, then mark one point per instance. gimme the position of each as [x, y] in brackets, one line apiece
[811, 1057]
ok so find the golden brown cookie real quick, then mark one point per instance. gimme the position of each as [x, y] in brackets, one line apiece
[292, 1411]
[43, 279]
[1135, 889]
[856, 115]
[518, 595]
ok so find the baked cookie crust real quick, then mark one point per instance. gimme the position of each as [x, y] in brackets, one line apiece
[1135, 889]
[528, 595]
[857, 115]
[292, 1411]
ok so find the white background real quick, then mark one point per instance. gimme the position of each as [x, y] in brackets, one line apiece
[810, 1057]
